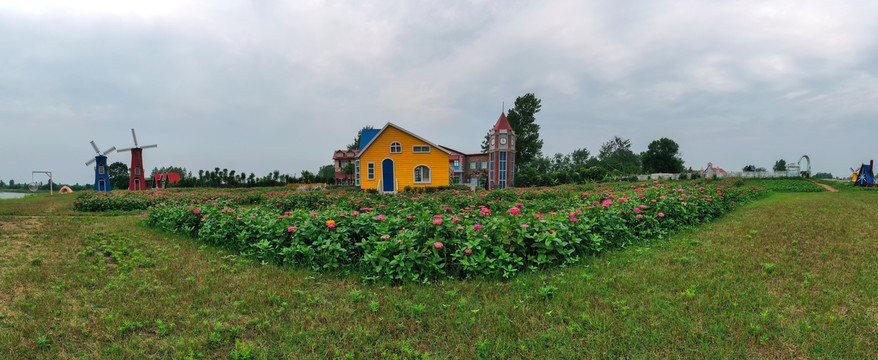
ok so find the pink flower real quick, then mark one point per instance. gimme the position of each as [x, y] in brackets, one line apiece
[636, 209]
[437, 222]
[514, 211]
[291, 228]
[486, 211]
[519, 205]
[537, 216]
[552, 231]
[380, 218]
[385, 236]
[331, 225]
[574, 219]
[196, 211]
[280, 217]
[661, 214]
[468, 251]
[408, 216]
[215, 204]
[639, 195]
[525, 225]
[639, 216]
[438, 245]
[288, 212]
[477, 227]
[438, 216]
[188, 206]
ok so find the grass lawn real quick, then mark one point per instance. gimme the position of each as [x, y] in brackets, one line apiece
[791, 276]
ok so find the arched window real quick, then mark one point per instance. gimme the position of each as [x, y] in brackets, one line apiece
[422, 174]
[395, 148]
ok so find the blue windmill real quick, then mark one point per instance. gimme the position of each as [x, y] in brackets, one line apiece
[102, 176]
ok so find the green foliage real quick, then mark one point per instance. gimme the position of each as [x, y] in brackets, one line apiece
[823, 175]
[119, 175]
[411, 237]
[662, 156]
[780, 165]
[616, 156]
[786, 184]
[356, 144]
[522, 119]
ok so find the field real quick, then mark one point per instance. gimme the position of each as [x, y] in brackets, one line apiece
[788, 276]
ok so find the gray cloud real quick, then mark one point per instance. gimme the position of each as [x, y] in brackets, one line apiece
[272, 85]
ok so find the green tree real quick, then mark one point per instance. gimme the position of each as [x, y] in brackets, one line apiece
[327, 172]
[616, 155]
[522, 120]
[823, 175]
[119, 175]
[579, 158]
[780, 165]
[356, 144]
[662, 156]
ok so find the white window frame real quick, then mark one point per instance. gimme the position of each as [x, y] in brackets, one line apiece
[101, 170]
[370, 171]
[422, 181]
[398, 147]
[357, 172]
[137, 170]
[418, 149]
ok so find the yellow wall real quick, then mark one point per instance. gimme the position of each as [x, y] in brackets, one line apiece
[404, 163]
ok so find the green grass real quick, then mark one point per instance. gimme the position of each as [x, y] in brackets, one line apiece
[792, 276]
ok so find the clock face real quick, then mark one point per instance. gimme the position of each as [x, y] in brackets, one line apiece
[502, 141]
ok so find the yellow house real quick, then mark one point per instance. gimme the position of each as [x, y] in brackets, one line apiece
[395, 158]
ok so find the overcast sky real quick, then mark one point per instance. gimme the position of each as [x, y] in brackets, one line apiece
[256, 86]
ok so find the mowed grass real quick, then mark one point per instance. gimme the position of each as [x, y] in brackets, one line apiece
[791, 276]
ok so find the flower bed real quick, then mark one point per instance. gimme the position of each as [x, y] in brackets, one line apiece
[412, 237]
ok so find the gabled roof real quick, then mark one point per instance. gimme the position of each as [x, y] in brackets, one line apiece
[502, 123]
[389, 124]
[366, 136]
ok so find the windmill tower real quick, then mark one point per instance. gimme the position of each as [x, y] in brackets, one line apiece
[102, 176]
[137, 182]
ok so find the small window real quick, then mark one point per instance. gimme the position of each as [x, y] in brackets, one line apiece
[472, 164]
[422, 174]
[370, 171]
[484, 165]
[421, 149]
[457, 164]
[357, 172]
[137, 170]
[101, 169]
[395, 148]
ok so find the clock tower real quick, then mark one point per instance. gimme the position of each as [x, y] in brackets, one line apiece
[501, 155]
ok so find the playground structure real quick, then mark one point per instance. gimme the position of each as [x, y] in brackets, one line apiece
[794, 169]
[33, 185]
[864, 176]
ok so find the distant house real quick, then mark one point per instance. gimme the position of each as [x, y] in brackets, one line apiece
[467, 169]
[393, 158]
[712, 171]
[341, 159]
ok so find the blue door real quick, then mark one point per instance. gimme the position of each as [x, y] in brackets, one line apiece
[387, 178]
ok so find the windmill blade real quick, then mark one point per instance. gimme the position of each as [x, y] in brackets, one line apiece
[149, 146]
[90, 162]
[95, 146]
[134, 136]
[124, 150]
[109, 150]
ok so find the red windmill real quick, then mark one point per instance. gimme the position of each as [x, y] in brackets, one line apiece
[137, 182]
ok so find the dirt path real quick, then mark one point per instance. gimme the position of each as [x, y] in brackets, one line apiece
[827, 187]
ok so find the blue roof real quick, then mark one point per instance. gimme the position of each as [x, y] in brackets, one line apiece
[366, 137]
